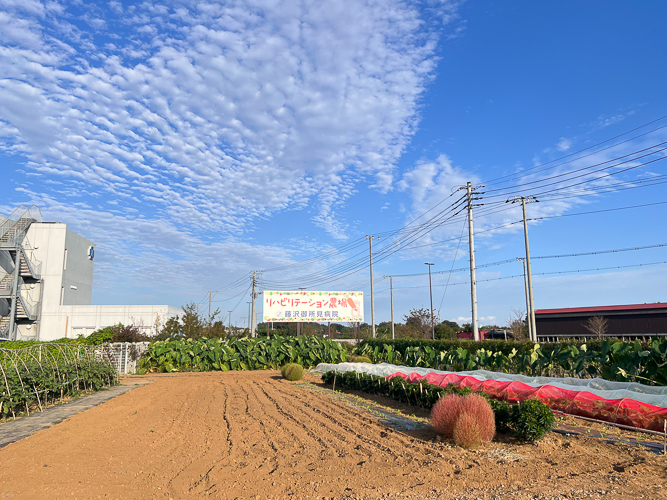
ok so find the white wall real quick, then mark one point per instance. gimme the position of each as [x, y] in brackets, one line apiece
[72, 321]
[67, 273]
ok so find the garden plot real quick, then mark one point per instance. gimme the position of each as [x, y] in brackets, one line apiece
[255, 435]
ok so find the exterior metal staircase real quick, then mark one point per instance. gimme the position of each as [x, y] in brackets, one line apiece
[4, 327]
[13, 250]
[25, 309]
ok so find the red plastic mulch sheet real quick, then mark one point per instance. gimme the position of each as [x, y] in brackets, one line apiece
[583, 403]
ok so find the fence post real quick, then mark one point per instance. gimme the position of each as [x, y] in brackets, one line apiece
[125, 367]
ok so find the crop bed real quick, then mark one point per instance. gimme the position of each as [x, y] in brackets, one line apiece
[255, 435]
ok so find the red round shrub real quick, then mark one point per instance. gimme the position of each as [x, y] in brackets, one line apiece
[480, 409]
[467, 432]
[445, 413]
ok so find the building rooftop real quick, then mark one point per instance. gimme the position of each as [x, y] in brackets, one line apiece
[596, 309]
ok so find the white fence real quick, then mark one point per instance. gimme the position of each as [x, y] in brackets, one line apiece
[124, 356]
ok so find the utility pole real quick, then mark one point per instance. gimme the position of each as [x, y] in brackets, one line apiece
[525, 283]
[391, 295]
[209, 308]
[473, 281]
[524, 200]
[249, 306]
[251, 322]
[370, 239]
[230, 321]
[430, 287]
[299, 324]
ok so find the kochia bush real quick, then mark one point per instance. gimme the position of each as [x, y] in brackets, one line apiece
[445, 413]
[480, 409]
[449, 410]
[292, 372]
[468, 432]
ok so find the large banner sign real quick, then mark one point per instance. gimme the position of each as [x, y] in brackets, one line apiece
[313, 306]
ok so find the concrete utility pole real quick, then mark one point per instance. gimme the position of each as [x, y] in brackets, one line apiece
[473, 281]
[430, 287]
[391, 296]
[525, 283]
[299, 324]
[251, 322]
[230, 320]
[370, 239]
[209, 307]
[249, 306]
[531, 319]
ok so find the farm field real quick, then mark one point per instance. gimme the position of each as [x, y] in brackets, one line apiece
[254, 435]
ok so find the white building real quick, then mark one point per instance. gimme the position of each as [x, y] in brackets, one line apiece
[46, 284]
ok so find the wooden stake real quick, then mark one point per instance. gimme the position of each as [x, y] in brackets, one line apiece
[334, 383]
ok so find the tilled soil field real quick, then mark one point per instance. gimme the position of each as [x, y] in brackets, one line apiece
[254, 435]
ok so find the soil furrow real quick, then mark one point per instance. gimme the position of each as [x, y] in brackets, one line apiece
[240, 435]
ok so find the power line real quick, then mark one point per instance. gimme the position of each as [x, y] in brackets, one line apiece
[518, 174]
[537, 274]
[508, 261]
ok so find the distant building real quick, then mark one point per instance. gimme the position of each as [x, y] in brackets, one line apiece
[486, 335]
[630, 322]
[46, 284]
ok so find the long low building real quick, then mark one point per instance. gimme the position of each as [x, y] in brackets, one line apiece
[46, 284]
[629, 322]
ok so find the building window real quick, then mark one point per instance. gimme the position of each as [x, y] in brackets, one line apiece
[62, 295]
[65, 261]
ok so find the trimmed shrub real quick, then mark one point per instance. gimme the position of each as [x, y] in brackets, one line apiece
[480, 409]
[503, 412]
[360, 359]
[292, 372]
[468, 432]
[532, 420]
[445, 414]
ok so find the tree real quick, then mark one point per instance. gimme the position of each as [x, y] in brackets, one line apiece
[420, 321]
[597, 325]
[447, 330]
[516, 324]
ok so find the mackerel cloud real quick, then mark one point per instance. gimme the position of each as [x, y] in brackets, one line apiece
[214, 114]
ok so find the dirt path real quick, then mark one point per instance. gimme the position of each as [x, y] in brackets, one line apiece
[254, 435]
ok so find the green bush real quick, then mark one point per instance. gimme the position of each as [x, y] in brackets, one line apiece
[531, 420]
[292, 372]
[360, 359]
[503, 412]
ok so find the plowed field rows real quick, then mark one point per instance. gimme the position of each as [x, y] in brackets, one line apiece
[254, 435]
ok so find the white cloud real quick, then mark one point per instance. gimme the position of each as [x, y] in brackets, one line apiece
[218, 113]
[564, 144]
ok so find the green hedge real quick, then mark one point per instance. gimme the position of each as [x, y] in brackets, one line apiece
[529, 421]
[608, 359]
[504, 346]
[241, 354]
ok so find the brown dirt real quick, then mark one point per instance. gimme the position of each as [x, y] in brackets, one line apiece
[254, 435]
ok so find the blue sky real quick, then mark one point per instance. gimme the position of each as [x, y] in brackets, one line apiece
[195, 142]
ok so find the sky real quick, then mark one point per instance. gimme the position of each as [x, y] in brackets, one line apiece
[196, 142]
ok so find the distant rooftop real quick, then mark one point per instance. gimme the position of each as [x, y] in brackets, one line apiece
[597, 309]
